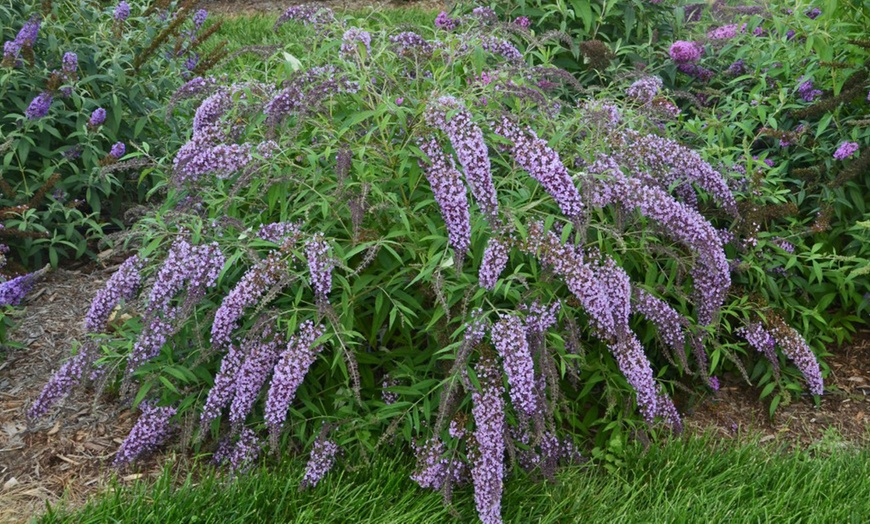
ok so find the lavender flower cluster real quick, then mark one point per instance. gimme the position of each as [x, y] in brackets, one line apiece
[69, 375]
[280, 232]
[307, 14]
[683, 52]
[450, 195]
[501, 47]
[13, 291]
[543, 164]
[443, 21]
[122, 285]
[725, 32]
[186, 267]
[792, 345]
[246, 293]
[240, 455]
[665, 163]
[509, 339]
[322, 459]
[845, 150]
[351, 41]
[25, 39]
[150, 432]
[289, 373]
[645, 89]
[261, 354]
[495, 259]
[763, 342]
[320, 266]
[806, 91]
[409, 43]
[488, 472]
[470, 147]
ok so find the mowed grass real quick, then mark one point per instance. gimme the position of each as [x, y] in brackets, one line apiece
[687, 480]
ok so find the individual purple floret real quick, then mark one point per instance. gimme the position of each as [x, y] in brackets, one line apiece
[97, 117]
[117, 150]
[485, 14]
[814, 13]
[39, 107]
[351, 40]
[122, 285]
[450, 195]
[320, 266]
[495, 259]
[150, 432]
[845, 150]
[543, 164]
[322, 460]
[737, 68]
[240, 455]
[467, 140]
[443, 21]
[488, 471]
[683, 52]
[289, 373]
[509, 339]
[122, 11]
[645, 89]
[523, 21]
[806, 92]
[13, 291]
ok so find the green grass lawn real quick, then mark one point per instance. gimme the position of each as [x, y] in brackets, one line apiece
[688, 480]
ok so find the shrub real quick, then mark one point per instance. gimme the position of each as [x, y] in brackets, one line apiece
[79, 120]
[380, 244]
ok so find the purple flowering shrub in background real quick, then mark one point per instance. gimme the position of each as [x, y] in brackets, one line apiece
[517, 272]
[78, 79]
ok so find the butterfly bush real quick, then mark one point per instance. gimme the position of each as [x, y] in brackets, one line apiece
[122, 285]
[337, 197]
[845, 150]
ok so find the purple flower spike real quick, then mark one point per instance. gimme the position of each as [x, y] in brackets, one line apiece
[97, 117]
[509, 339]
[319, 266]
[488, 471]
[150, 432]
[543, 164]
[122, 11]
[845, 150]
[322, 459]
[495, 258]
[290, 371]
[39, 107]
[121, 285]
[117, 150]
[450, 194]
[683, 52]
[467, 140]
[70, 63]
